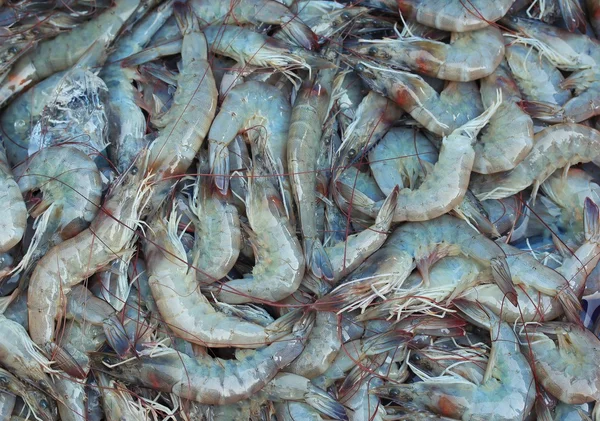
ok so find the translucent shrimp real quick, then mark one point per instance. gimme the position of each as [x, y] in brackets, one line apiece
[444, 187]
[557, 146]
[498, 149]
[263, 108]
[118, 402]
[205, 379]
[63, 51]
[185, 310]
[441, 114]
[65, 265]
[508, 380]
[71, 190]
[419, 244]
[566, 368]
[280, 263]
[256, 12]
[454, 15]
[13, 215]
[194, 107]
[41, 407]
[469, 56]
[306, 128]
[71, 404]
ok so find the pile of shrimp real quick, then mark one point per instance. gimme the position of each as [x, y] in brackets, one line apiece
[299, 210]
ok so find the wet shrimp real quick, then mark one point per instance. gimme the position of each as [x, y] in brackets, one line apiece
[454, 15]
[469, 56]
[508, 380]
[13, 215]
[256, 12]
[67, 264]
[444, 187]
[557, 146]
[41, 407]
[205, 379]
[280, 263]
[183, 308]
[63, 51]
[441, 114]
[118, 402]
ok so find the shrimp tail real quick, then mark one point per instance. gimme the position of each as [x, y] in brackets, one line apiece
[386, 341]
[477, 314]
[543, 110]
[570, 304]
[153, 53]
[219, 163]
[301, 34]
[591, 216]
[502, 277]
[385, 216]
[284, 324]
[324, 403]
[573, 15]
[116, 336]
[318, 261]
[65, 361]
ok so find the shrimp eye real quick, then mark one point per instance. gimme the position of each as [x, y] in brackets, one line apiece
[44, 385]
[106, 360]
[352, 153]
[373, 51]
[44, 404]
[346, 16]
[4, 380]
[13, 50]
[134, 170]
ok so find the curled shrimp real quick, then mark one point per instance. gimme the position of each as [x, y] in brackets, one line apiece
[205, 379]
[508, 380]
[441, 113]
[63, 51]
[444, 187]
[280, 263]
[557, 146]
[73, 260]
[469, 56]
[13, 215]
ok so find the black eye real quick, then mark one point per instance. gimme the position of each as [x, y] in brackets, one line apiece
[44, 385]
[134, 170]
[373, 51]
[352, 153]
[44, 404]
[106, 360]
[13, 50]
[4, 380]
[346, 16]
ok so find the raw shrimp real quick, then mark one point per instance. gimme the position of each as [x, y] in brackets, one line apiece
[71, 401]
[183, 308]
[442, 113]
[256, 12]
[469, 56]
[127, 122]
[454, 15]
[263, 112]
[118, 402]
[38, 403]
[508, 380]
[444, 187]
[593, 9]
[306, 128]
[280, 261]
[193, 109]
[567, 369]
[63, 51]
[498, 149]
[293, 411]
[205, 379]
[555, 147]
[68, 263]
[419, 244]
[71, 190]
[13, 214]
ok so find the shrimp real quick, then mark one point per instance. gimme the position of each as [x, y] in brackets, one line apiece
[193, 109]
[256, 12]
[252, 105]
[63, 51]
[71, 190]
[306, 128]
[441, 113]
[280, 263]
[38, 403]
[185, 310]
[593, 9]
[292, 411]
[567, 369]
[557, 146]
[445, 186]
[418, 244]
[205, 379]
[13, 215]
[118, 402]
[218, 238]
[127, 122]
[67, 264]
[469, 56]
[71, 401]
[498, 149]
[508, 380]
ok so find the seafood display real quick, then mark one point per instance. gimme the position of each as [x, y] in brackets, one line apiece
[284, 210]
